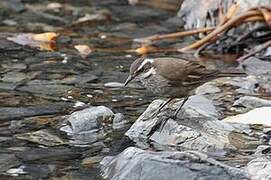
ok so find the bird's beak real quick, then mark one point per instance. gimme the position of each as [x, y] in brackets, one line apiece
[130, 78]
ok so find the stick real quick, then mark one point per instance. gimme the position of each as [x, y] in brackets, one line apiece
[174, 35]
[220, 29]
[258, 49]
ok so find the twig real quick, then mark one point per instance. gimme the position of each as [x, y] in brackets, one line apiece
[220, 29]
[174, 35]
[257, 50]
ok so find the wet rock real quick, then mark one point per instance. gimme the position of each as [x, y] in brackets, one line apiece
[120, 121]
[16, 171]
[9, 113]
[260, 167]
[8, 161]
[135, 164]
[85, 126]
[15, 77]
[12, 5]
[113, 84]
[245, 103]
[196, 127]
[89, 161]
[47, 89]
[48, 155]
[79, 79]
[7, 86]
[260, 115]
[43, 137]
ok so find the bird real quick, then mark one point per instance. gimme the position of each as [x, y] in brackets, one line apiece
[170, 77]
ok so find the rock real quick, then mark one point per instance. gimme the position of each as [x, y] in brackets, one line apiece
[89, 161]
[119, 121]
[8, 161]
[246, 103]
[43, 137]
[16, 171]
[47, 89]
[255, 66]
[260, 167]
[260, 115]
[12, 5]
[135, 164]
[85, 126]
[207, 88]
[15, 77]
[79, 79]
[48, 155]
[197, 127]
[114, 84]
[7, 86]
[9, 113]
[199, 14]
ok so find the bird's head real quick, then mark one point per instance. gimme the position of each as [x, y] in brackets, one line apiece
[140, 68]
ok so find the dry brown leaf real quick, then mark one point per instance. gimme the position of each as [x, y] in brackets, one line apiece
[45, 37]
[44, 41]
[84, 50]
[145, 50]
[267, 16]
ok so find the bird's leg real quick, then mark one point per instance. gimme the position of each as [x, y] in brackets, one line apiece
[164, 104]
[163, 123]
[160, 108]
[179, 108]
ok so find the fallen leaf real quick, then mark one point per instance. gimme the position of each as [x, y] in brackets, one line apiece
[267, 16]
[84, 50]
[145, 50]
[44, 41]
[45, 37]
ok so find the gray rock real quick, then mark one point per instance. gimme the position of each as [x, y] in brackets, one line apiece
[114, 84]
[9, 113]
[136, 164]
[85, 126]
[256, 116]
[196, 127]
[7, 86]
[47, 89]
[246, 103]
[47, 154]
[119, 121]
[43, 137]
[8, 161]
[207, 88]
[257, 67]
[260, 167]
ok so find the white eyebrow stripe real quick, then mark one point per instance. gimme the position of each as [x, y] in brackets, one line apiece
[145, 62]
[150, 72]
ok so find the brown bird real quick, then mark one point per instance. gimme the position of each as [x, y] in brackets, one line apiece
[171, 77]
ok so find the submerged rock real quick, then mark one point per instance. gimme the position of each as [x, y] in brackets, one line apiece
[136, 164]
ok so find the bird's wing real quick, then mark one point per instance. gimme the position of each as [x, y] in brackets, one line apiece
[181, 72]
